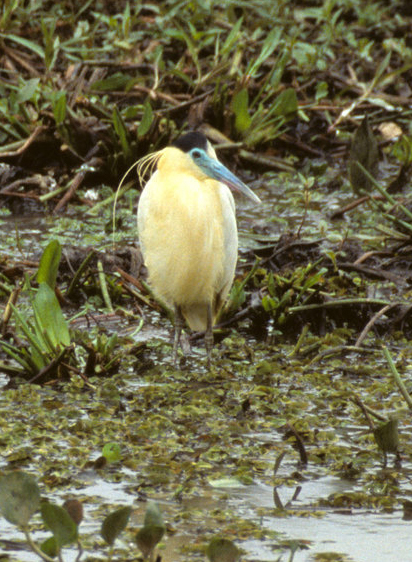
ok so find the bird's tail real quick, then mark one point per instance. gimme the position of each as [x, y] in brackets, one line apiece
[196, 314]
[196, 317]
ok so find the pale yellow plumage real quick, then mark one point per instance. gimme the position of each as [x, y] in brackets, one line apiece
[187, 230]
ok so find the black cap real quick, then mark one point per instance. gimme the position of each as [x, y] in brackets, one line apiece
[194, 139]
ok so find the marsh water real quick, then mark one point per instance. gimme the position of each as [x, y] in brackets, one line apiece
[360, 535]
[330, 509]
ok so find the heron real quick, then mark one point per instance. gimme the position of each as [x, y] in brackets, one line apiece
[188, 233]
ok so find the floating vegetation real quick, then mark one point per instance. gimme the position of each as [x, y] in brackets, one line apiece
[305, 416]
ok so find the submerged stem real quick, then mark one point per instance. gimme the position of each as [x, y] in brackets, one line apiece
[34, 546]
[103, 287]
[397, 377]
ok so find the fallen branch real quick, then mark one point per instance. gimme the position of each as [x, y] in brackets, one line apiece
[87, 167]
[371, 322]
[342, 302]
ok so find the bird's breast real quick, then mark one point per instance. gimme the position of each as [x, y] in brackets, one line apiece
[188, 233]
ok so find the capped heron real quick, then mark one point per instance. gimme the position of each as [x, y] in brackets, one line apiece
[187, 231]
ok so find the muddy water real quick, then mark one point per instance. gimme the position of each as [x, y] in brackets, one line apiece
[362, 535]
[358, 535]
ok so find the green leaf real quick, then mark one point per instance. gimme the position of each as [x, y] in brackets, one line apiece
[382, 67]
[387, 436]
[222, 550]
[37, 345]
[126, 20]
[112, 452]
[49, 264]
[59, 110]
[313, 280]
[148, 537]
[121, 130]
[27, 92]
[322, 90]
[117, 81]
[237, 295]
[132, 112]
[364, 149]
[25, 43]
[152, 531]
[50, 321]
[49, 547]
[146, 121]
[23, 357]
[115, 523]
[286, 102]
[232, 38]
[19, 497]
[60, 523]
[269, 304]
[270, 44]
[239, 105]
[153, 516]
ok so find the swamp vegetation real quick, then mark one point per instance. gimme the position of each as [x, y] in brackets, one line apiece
[297, 444]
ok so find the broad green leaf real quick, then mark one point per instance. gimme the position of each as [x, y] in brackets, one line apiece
[19, 497]
[387, 436]
[153, 516]
[146, 121]
[222, 550]
[115, 523]
[148, 537]
[49, 547]
[49, 318]
[322, 90]
[27, 91]
[49, 264]
[111, 452]
[286, 102]
[60, 523]
[239, 105]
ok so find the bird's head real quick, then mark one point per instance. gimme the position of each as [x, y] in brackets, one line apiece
[199, 155]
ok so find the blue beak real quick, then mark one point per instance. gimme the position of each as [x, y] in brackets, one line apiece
[217, 171]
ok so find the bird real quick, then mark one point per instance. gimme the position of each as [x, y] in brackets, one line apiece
[187, 232]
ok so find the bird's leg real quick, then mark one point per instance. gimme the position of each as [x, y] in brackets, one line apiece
[179, 323]
[209, 337]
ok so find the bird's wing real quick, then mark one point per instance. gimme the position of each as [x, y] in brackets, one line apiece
[230, 246]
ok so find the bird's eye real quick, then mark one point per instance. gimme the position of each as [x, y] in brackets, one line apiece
[196, 154]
